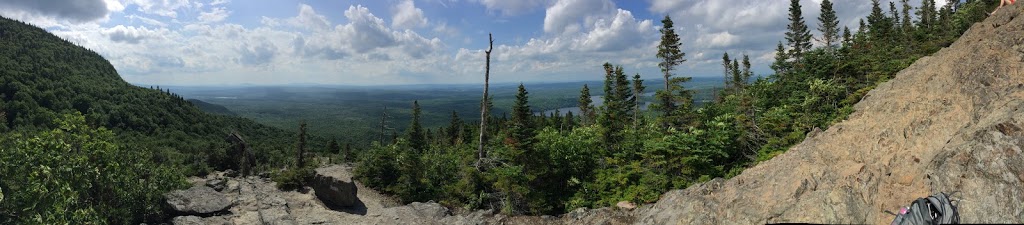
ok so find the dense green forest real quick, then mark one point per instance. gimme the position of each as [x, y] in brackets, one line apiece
[79, 145]
[352, 114]
[615, 152]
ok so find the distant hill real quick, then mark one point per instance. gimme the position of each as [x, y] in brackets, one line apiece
[43, 76]
[211, 108]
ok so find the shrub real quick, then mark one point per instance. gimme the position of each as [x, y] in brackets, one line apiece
[76, 174]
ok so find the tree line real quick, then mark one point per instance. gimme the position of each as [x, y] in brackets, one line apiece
[544, 164]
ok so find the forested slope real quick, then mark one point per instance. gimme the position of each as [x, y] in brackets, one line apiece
[65, 108]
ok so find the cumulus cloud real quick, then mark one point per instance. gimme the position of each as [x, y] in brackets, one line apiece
[618, 33]
[406, 16]
[129, 34]
[308, 18]
[570, 16]
[76, 11]
[259, 54]
[365, 31]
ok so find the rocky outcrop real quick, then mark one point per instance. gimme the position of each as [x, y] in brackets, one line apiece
[951, 122]
[198, 200]
[334, 186]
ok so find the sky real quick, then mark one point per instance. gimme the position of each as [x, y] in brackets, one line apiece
[389, 42]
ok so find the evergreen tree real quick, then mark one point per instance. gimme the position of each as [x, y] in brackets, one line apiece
[927, 16]
[521, 129]
[797, 35]
[569, 122]
[737, 75]
[907, 24]
[727, 71]
[781, 64]
[556, 120]
[346, 153]
[828, 24]
[417, 139]
[879, 26]
[638, 92]
[455, 129]
[301, 150]
[332, 147]
[671, 56]
[847, 39]
[747, 73]
[616, 107]
[587, 112]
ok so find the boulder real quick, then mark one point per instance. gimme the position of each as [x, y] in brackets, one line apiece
[430, 209]
[217, 184]
[333, 185]
[188, 220]
[626, 205]
[198, 200]
[195, 220]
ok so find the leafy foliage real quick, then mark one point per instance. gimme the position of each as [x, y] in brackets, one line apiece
[77, 174]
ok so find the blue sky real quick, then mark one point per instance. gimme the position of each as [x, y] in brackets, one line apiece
[383, 42]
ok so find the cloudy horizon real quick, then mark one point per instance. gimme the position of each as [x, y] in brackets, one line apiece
[395, 42]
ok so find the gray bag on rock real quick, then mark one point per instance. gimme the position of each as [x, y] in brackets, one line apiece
[935, 209]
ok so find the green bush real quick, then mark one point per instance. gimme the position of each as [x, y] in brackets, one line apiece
[76, 174]
[293, 179]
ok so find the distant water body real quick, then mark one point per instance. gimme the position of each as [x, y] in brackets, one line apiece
[597, 102]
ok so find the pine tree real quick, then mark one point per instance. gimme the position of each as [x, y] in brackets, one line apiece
[797, 35]
[907, 24]
[781, 64]
[521, 129]
[846, 37]
[638, 92]
[416, 136]
[747, 73]
[455, 129]
[587, 112]
[301, 149]
[727, 71]
[346, 153]
[828, 24]
[879, 26]
[617, 107]
[332, 147]
[927, 16]
[671, 56]
[569, 122]
[737, 75]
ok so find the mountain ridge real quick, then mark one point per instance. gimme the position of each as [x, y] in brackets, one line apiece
[949, 123]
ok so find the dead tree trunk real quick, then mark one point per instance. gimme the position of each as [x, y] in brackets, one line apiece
[481, 154]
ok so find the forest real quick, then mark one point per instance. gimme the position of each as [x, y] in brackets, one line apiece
[529, 164]
[79, 145]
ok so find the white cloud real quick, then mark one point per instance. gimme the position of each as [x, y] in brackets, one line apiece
[717, 40]
[571, 16]
[618, 33]
[406, 15]
[214, 15]
[511, 7]
[131, 35]
[167, 8]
